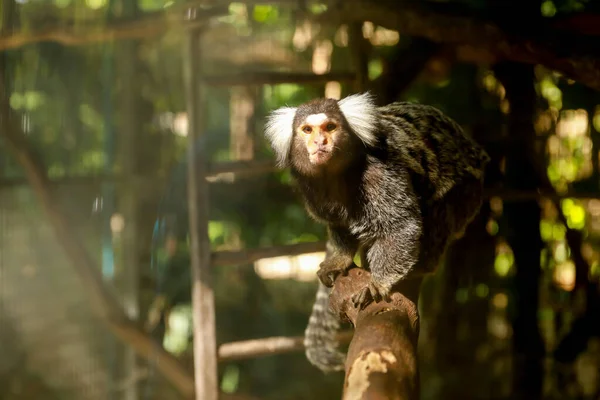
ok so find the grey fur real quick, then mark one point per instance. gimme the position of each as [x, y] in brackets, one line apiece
[402, 200]
[319, 337]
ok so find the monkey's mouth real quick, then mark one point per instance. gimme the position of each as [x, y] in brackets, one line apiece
[320, 156]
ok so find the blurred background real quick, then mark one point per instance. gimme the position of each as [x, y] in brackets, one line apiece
[98, 102]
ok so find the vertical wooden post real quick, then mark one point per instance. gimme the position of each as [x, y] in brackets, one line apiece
[129, 200]
[359, 48]
[205, 352]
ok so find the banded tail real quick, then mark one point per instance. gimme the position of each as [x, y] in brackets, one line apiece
[320, 342]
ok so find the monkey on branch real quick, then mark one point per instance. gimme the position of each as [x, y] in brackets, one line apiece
[396, 183]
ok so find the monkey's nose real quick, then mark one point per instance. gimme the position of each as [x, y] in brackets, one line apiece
[320, 141]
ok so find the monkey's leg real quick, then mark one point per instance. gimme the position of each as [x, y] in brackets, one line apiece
[391, 259]
[341, 248]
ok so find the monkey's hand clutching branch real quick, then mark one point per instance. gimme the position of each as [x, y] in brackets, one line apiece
[384, 254]
[341, 246]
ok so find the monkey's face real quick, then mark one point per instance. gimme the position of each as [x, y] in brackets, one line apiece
[320, 133]
[323, 134]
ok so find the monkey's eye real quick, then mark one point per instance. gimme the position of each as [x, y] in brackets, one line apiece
[330, 126]
[307, 129]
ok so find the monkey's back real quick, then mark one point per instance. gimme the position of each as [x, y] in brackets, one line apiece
[447, 168]
[432, 145]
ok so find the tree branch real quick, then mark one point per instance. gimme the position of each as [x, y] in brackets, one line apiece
[267, 346]
[576, 56]
[382, 357]
[139, 29]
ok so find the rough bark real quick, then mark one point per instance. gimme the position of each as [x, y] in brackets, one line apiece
[382, 357]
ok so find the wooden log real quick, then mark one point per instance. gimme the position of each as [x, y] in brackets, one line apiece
[382, 357]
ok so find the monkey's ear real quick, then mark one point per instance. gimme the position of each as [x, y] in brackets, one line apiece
[279, 131]
[360, 111]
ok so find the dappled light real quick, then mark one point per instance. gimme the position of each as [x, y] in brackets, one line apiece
[302, 267]
[152, 249]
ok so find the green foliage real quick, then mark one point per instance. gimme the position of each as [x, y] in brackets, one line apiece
[62, 3]
[462, 295]
[375, 68]
[96, 4]
[503, 264]
[569, 6]
[574, 212]
[154, 5]
[317, 8]
[28, 101]
[264, 13]
[550, 91]
[231, 379]
[176, 339]
[552, 231]
[482, 290]
[548, 8]
[561, 252]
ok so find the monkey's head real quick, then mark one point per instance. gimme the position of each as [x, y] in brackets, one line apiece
[322, 133]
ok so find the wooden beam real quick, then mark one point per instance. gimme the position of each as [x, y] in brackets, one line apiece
[143, 28]
[203, 299]
[576, 56]
[254, 348]
[246, 256]
[275, 78]
[244, 168]
[241, 168]
[247, 168]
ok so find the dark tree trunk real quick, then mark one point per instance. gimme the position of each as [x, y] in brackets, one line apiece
[522, 222]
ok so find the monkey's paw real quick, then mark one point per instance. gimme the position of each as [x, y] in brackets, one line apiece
[330, 268]
[372, 292]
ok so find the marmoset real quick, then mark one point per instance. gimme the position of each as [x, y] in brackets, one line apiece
[398, 182]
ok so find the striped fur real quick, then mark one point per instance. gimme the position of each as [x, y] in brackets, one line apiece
[319, 337]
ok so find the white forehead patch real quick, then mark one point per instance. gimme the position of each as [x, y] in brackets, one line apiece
[316, 119]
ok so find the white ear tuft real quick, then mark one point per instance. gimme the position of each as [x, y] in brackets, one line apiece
[360, 111]
[279, 131]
